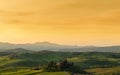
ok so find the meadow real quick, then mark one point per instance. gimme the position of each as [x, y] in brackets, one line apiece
[96, 63]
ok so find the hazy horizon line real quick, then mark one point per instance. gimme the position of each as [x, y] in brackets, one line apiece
[58, 44]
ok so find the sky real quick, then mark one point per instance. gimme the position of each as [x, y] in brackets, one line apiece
[70, 22]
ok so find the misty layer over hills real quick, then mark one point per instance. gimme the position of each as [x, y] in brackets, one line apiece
[40, 46]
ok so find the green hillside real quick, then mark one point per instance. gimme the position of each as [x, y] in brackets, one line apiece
[105, 71]
[27, 71]
[94, 62]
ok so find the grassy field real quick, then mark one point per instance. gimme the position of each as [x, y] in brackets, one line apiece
[94, 62]
[105, 71]
[27, 71]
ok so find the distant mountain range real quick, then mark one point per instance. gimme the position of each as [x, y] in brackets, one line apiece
[39, 46]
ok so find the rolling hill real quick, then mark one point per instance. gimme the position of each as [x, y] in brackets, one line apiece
[18, 61]
[39, 46]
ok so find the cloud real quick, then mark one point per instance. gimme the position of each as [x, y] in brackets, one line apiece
[24, 13]
[13, 17]
[78, 12]
[14, 21]
[13, 13]
[110, 17]
[2, 11]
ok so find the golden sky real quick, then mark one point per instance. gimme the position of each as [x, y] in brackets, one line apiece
[72, 22]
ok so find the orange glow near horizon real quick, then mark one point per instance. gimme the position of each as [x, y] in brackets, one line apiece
[72, 22]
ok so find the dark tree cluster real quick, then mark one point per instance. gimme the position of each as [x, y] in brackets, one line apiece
[64, 65]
